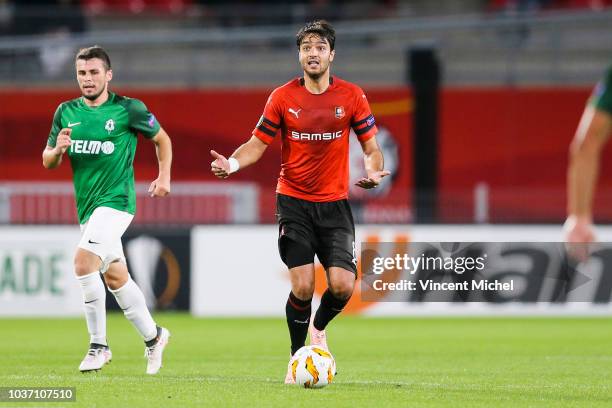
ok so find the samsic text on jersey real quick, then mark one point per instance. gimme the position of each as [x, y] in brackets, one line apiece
[315, 132]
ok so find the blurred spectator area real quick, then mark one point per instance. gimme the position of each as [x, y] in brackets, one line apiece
[187, 43]
[33, 17]
[40, 16]
[534, 5]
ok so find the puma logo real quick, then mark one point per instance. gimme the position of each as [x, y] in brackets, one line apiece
[295, 112]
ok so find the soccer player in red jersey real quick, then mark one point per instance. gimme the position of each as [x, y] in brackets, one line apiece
[314, 115]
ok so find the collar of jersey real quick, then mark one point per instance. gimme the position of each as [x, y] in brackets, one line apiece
[111, 97]
[331, 84]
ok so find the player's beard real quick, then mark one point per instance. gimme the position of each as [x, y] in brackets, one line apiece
[316, 76]
[93, 97]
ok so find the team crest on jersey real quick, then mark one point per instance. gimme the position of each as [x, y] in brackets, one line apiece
[339, 112]
[109, 126]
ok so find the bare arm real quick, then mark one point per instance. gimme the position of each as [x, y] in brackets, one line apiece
[247, 154]
[374, 164]
[592, 133]
[52, 156]
[160, 187]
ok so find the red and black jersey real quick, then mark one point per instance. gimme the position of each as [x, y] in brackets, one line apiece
[315, 132]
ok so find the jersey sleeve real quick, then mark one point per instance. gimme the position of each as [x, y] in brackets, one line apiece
[270, 122]
[141, 120]
[56, 126]
[363, 122]
[602, 94]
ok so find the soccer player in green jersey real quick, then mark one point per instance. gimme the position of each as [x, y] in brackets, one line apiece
[99, 132]
[591, 136]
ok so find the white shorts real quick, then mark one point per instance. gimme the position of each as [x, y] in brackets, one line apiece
[101, 234]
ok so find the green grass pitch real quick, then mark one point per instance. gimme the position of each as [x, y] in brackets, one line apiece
[424, 362]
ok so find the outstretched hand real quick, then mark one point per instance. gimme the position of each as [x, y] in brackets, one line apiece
[372, 180]
[220, 166]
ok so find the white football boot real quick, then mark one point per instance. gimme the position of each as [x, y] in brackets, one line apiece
[97, 356]
[154, 352]
[318, 337]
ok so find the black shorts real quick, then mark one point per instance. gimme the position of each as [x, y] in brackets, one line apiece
[307, 228]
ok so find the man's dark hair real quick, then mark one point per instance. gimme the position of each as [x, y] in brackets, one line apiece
[94, 52]
[318, 27]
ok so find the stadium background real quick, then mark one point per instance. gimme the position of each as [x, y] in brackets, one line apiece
[514, 78]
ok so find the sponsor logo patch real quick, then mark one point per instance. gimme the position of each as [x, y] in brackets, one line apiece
[152, 120]
[91, 147]
[370, 120]
[316, 136]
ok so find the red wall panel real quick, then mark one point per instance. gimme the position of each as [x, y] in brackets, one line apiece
[197, 122]
[516, 141]
[513, 139]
